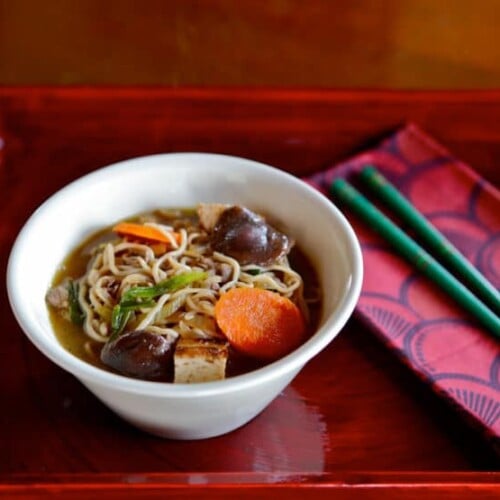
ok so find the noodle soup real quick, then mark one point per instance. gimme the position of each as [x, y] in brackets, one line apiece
[185, 295]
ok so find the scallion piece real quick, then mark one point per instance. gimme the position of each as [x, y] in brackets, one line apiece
[119, 318]
[253, 272]
[121, 314]
[169, 285]
[142, 296]
[75, 311]
[135, 304]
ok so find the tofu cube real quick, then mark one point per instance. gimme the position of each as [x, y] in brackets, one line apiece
[209, 214]
[200, 360]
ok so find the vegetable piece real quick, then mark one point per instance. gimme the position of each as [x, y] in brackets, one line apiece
[253, 272]
[140, 354]
[144, 232]
[159, 248]
[121, 314]
[168, 285]
[119, 318]
[245, 236]
[75, 311]
[260, 323]
[142, 297]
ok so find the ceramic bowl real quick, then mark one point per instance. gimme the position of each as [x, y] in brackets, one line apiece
[184, 411]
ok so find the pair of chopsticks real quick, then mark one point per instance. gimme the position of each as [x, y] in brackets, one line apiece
[483, 301]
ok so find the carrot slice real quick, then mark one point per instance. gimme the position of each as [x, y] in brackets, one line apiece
[143, 232]
[260, 323]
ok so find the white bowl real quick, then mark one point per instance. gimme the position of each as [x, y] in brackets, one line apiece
[183, 411]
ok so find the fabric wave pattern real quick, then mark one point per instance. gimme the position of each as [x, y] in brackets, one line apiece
[437, 339]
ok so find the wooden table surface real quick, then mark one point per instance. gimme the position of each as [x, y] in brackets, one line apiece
[354, 418]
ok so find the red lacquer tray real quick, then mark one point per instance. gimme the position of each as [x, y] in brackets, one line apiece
[355, 420]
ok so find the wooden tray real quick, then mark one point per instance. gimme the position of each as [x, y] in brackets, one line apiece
[354, 421]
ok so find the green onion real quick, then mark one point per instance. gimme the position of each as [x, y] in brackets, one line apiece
[135, 304]
[75, 311]
[253, 272]
[121, 314]
[119, 318]
[142, 296]
[170, 285]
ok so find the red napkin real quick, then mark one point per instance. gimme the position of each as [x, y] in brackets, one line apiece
[439, 341]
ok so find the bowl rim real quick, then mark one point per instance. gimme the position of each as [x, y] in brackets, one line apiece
[287, 364]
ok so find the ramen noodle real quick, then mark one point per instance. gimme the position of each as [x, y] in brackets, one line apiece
[185, 295]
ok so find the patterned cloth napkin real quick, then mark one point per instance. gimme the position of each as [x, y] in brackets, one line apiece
[438, 340]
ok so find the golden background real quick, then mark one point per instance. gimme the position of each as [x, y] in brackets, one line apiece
[325, 43]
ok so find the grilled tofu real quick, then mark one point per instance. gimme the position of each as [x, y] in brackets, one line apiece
[209, 214]
[200, 360]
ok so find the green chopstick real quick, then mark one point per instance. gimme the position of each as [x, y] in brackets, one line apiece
[415, 254]
[436, 242]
